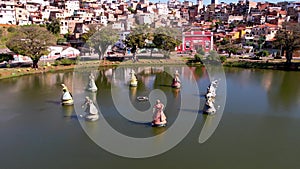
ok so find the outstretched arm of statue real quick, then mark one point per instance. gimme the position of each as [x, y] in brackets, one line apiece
[83, 105]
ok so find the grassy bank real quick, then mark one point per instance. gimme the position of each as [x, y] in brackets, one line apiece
[242, 63]
[263, 64]
[15, 72]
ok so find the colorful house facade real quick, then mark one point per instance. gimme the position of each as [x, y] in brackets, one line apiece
[194, 39]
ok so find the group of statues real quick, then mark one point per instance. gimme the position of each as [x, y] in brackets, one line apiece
[210, 96]
[159, 119]
[176, 83]
[91, 110]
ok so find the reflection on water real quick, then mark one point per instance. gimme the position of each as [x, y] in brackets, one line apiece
[259, 128]
[274, 92]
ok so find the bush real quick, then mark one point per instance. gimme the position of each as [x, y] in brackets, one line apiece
[6, 57]
[200, 51]
[213, 56]
[11, 29]
[198, 57]
[263, 53]
[223, 58]
[61, 40]
[66, 62]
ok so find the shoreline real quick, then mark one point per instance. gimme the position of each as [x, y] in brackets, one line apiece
[230, 62]
[22, 71]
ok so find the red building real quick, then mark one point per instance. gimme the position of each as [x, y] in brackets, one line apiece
[194, 39]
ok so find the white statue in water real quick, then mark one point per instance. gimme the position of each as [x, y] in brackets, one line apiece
[66, 98]
[92, 85]
[210, 98]
[91, 110]
[209, 106]
[211, 90]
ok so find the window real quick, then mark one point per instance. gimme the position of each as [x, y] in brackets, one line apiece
[187, 45]
[207, 44]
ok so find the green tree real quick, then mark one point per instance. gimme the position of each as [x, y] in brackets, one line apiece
[32, 41]
[261, 42]
[54, 26]
[130, 9]
[166, 43]
[137, 39]
[230, 48]
[92, 30]
[288, 39]
[102, 39]
[200, 51]
[167, 39]
[213, 56]
[198, 57]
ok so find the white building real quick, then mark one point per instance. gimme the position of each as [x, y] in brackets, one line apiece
[123, 35]
[173, 3]
[61, 51]
[32, 7]
[46, 12]
[103, 20]
[41, 2]
[72, 5]
[145, 18]
[22, 16]
[7, 12]
[232, 18]
[162, 9]
[64, 26]
[119, 26]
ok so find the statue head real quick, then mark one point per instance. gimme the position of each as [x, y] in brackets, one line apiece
[157, 101]
[64, 87]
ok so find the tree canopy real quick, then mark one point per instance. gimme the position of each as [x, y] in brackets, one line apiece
[54, 26]
[137, 39]
[32, 41]
[102, 39]
[230, 48]
[166, 38]
[142, 36]
[288, 39]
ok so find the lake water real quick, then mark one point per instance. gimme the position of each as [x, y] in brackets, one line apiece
[259, 127]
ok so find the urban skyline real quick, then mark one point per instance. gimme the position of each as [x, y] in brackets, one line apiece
[206, 2]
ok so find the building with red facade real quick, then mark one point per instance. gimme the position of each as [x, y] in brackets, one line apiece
[194, 38]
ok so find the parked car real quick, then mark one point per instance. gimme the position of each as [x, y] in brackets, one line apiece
[3, 64]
